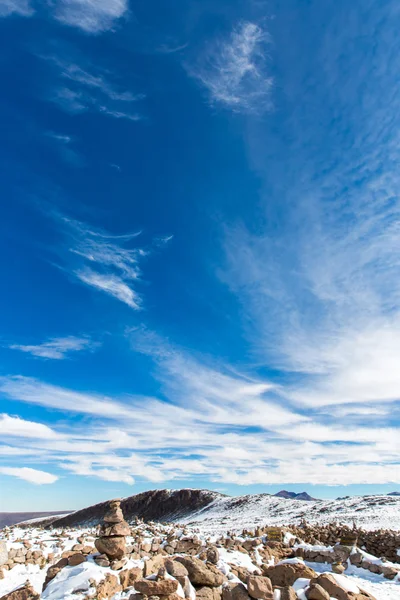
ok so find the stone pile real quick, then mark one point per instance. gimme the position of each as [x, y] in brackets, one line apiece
[382, 543]
[111, 542]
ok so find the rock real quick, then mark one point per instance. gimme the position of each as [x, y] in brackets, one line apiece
[260, 587]
[26, 592]
[288, 593]
[316, 592]
[335, 590]
[234, 591]
[3, 553]
[175, 568]
[76, 559]
[338, 568]
[152, 587]
[108, 587]
[114, 514]
[152, 565]
[115, 529]
[389, 572]
[241, 572]
[102, 560]
[128, 577]
[286, 574]
[201, 574]
[53, 571]
[208, 593]
[113, 547]
[212, 555]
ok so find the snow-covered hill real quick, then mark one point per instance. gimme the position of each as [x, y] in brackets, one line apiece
[226, 514]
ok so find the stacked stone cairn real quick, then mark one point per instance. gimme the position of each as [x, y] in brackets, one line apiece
[111, 542]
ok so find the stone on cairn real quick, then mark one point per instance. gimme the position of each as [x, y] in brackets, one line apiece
[113, 530]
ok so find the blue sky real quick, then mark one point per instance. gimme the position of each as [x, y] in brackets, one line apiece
[200, 248]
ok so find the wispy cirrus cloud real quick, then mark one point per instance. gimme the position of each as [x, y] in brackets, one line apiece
[57, 348]
[90, 89]
[16, 7]
[31, 475]
[104, 261]
[234, 70]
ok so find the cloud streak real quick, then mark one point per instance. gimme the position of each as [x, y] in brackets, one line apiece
[57, 348]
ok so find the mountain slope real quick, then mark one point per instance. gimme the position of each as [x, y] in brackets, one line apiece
[154, 505]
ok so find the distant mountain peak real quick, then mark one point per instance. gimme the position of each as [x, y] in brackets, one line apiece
[293, 496]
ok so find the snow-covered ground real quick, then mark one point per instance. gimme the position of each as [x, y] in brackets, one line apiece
[209, 523]
[234, 514]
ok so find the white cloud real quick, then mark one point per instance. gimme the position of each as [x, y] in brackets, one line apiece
[234, 71]
[14, 426]
[91, 89]
[103, 261]
[18, 7]
[93, 16]
[57, 348]
[111, 284]
[32, 475]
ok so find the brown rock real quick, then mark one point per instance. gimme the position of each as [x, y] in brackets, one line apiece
[201, 574]
[128, 577]
[114, 514]
[212, 555]
[316, 592]
[76, 559]
[288, 593]
[286, 574]
[208, 593]
[108, 587]
[26, 592]
[152, 587]
[152, 565]
[234, 591]
[175, 568]
[115, 529]
[329, 583]
[113, 547]
[338, 568]
[102, 560]
[260, 587]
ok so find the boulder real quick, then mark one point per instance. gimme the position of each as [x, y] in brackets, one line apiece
[288, 593]
[201, 574]
[26, 592]
[329, 583]
[212, 555]
[208, 593]
[316, 592]
[286, 574]
[113, 547]
[260, 587]
[76, 559]
[234, 591]
[108, 587]
[153, 587]
[128, 577]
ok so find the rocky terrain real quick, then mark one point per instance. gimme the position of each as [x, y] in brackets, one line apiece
[115, 560]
